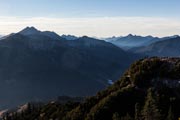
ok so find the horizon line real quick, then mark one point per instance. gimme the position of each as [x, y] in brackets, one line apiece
[91, 36]
[96, 27]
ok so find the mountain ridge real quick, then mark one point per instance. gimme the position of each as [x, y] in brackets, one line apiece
[168, 47]
[32, 63]
[132, 41]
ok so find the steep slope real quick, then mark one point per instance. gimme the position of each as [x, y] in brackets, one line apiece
[169, 47]
[35, 67]
[149, 90]
[1, 37]
[155, 80]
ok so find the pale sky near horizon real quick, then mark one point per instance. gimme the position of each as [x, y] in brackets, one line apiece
[101, 18]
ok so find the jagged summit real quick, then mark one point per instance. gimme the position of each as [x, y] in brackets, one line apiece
[35, 33]
[29, 31]
[130, 35]
[69, 37]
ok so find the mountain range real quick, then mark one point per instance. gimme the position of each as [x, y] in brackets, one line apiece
[41, 65]
[131, 41]
[144, 45]
[38, 65]
[169, 47]
[149, 46]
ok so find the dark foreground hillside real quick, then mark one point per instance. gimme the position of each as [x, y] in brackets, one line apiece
[149, 90]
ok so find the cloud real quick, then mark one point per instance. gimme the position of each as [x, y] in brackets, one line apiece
[97, 26]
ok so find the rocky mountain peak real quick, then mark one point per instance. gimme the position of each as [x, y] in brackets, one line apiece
[29, 31]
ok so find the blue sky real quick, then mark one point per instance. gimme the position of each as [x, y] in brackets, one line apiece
[13, 12]
[90, 8]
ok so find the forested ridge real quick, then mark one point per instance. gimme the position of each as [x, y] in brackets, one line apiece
[148, 90]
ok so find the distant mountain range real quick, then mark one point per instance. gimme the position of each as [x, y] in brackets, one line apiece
[131, 41]
[169, 47]
[149, 46]
[38, 65]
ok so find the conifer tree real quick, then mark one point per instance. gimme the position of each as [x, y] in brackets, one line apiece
[116, 116]
[137, 115]
[151, 111]
[127, 117]
[170, 115]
